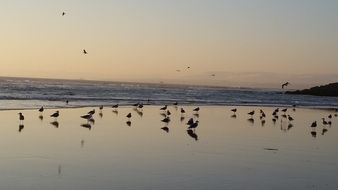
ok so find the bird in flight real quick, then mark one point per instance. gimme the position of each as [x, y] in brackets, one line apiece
[285, 84]
[85, 52]
[63, 13]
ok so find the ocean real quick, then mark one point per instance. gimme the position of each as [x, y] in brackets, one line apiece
[23, 93]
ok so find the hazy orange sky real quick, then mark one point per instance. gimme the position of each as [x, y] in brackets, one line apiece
[252, 42]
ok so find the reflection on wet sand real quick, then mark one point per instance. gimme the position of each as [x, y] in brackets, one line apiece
[166, 129]
[55, 124]
[21, 126]
[86, 125]
[192, 134]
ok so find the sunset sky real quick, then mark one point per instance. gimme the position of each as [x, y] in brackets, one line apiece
[243, 42]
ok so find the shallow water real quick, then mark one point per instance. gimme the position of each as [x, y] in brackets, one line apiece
[229, 153]
[20, 93]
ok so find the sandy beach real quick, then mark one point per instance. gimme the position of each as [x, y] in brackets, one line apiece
[222, 153]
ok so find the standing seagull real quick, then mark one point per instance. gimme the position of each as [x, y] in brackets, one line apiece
[285, 84]
[234, 110]
[314, 124]
[85, 52]
[128, 116]
[197, 109]
[193, 126]
[252, 113]
[21, 117]
[164, 108]
[55, 115]
[63, 13]
[41, 109]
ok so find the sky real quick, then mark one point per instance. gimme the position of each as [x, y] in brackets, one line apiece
[259, 43]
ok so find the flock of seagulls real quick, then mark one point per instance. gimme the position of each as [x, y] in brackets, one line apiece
[138, 107]
[283, 115]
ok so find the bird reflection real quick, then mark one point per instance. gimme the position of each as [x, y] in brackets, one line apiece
[21, 126]
[166, 129]
[115, 112]
[251, 120]
[274, 120]
[82, 143]
[197, 115]
[192, 134]
[314, 134]
[59, 170]
[41, 117]
[324, 130]
[101, 114]
[140, 113]
[263, 122]
[182, 118]
[290, 126]
[86, 125]
[233, 116]
[55, 124]
[128, 123]
[163, 114]
[91, 120]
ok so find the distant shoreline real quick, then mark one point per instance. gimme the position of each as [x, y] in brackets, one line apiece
[183, 105]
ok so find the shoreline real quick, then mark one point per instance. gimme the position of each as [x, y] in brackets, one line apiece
[178, 106]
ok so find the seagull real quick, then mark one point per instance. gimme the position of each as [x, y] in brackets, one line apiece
[190, 121]
[164, 108]
[182, 111]
[55, 115]
[252, 113]
[290, 118]
[285, 84]
[284, 110]
[88, 116]
[324, 122]
[63, 13]
[166, 120]
[196, 109]
[101, 107]
[41, 109]
[194, 125]
[21, 117]
[234, 110]
[128, 116]
[168, 112]
[176, 103]
[140, 106]
[314, 124]
[330, 116]
[84, 52]
[92, 112]
[115, 106]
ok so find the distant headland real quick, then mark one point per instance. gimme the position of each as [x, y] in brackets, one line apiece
[324, 90]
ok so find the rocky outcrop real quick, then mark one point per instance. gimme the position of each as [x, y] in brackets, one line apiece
[325, 90]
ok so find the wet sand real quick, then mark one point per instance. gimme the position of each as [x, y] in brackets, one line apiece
[222, 153]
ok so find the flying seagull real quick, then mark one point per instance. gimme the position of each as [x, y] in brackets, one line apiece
[285, 84]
